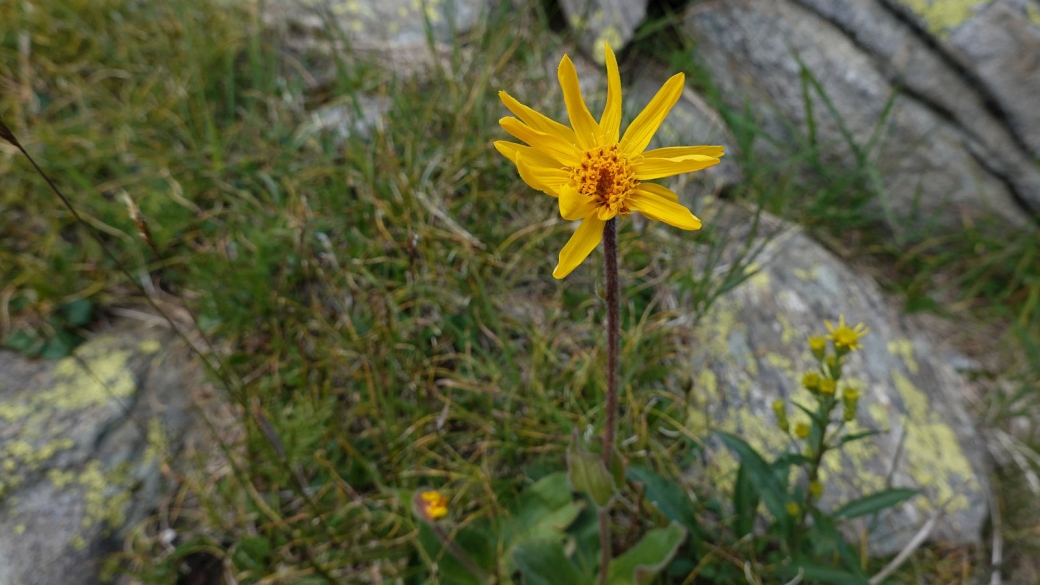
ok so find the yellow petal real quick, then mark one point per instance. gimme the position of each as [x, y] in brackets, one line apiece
[655, 168]
[655, 189]
[610, 121]
[553, 146]
[536, 120]
[586, 130]
[660, 209]
[649, 120]
[546, 179]
[511, 150]
[681, 151]
[578, 248]
[574, 205]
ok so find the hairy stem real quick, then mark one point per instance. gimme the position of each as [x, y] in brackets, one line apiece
[610, 256]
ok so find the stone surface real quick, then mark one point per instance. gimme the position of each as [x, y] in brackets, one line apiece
[81, 441]
[997, 42]
[941, 149]
[750, 348]
[393, 31]
[343, 120]
[599, 21]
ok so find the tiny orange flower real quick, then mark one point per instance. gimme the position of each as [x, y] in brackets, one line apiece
[432, 505]
[596, 173]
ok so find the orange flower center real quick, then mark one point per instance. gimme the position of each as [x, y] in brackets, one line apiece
[605, 174]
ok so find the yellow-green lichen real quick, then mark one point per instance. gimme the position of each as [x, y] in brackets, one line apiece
[904, 348]
[933, 455]
[806, 275]
[942, 16]
[787, 331]
[610, 35]
[1033, 13]
[756, 277]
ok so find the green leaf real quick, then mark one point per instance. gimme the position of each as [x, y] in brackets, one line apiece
[641, 563]
[538, 524]
[252, 552]
[822, 573]
[669, 498]
[451, 570]
[874, 502]
[813, 415]
[59, 346]
[543, 562]
[858, 436]
[77, 313]
[745, 503]
[774, 496]
[552, 490]
[26, 343]
[588, 475]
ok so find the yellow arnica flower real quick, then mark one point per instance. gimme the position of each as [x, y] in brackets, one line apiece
[434, 505]
[846, 338]
[594, 172]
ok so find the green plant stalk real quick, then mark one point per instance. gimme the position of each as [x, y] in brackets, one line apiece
[821, 447]
[610, 263]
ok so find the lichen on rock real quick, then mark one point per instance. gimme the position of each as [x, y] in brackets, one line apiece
[80, 445]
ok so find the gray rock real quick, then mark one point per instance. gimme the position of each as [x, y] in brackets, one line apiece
[599, 21]
[393, 31]
[691, 122]
[940, 149]
[998, 45]
[342, 120]
[750, 348]
[81, 441]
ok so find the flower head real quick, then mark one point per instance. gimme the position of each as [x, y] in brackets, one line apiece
[818, 344]
[811, 381]
[431, 505]
[846, 338]
[827, 386]
[595, 172]
[801, 430]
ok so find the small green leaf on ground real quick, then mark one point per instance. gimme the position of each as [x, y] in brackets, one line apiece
[875, 502]
[640, 564]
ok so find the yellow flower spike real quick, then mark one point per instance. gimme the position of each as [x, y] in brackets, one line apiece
[793, 509]
[827, 386]
[801, 430]
[433, 505]
[818, 345]
[596, 175]
[846, 338]
[816, 489]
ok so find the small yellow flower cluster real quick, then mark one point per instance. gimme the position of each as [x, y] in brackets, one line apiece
[822, 382]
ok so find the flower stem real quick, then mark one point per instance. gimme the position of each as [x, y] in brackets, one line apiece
[610, 256]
